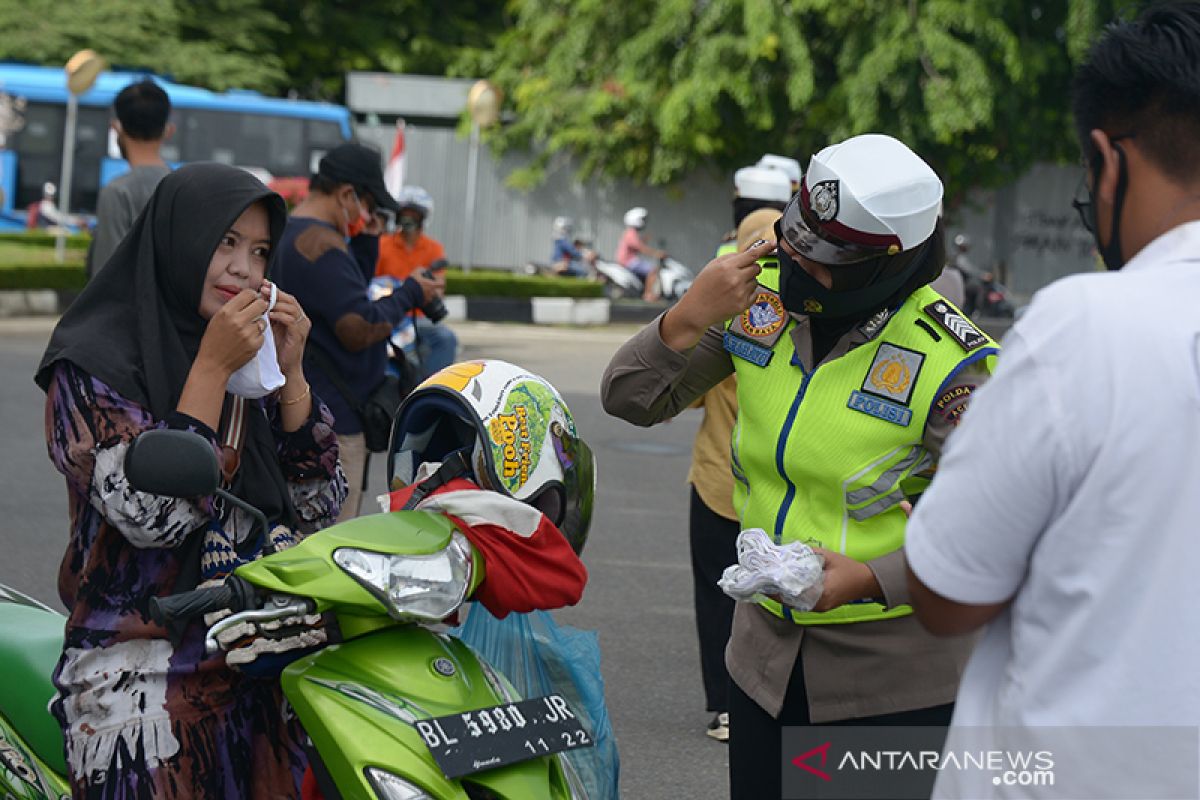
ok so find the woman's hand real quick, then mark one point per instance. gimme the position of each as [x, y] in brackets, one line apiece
[724, 288]
[234, 334]
[846, 580]
[290, 327]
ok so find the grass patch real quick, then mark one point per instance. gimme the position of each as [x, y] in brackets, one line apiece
[77, 241]
[32, 266]
[490, 283]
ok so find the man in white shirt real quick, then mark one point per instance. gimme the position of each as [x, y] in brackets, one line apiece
[1079, 545]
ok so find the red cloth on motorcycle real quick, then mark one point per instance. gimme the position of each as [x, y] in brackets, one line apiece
[528, 568]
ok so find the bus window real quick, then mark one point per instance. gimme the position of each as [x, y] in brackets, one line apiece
[40, 146]
[248, 140]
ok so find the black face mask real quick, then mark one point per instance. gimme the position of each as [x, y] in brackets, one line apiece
[1111, 252]
[857, 288]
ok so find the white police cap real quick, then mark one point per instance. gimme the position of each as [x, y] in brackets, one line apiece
[872, 193]
[788, 166]
[761, 183]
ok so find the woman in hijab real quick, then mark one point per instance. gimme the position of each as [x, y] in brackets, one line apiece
[151, 343]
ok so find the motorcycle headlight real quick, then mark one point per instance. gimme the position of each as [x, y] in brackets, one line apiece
[428, 588]
[390, 787]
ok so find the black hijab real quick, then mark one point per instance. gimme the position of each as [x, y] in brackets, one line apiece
[137, 325]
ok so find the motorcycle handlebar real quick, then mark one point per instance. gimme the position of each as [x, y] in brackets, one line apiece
[234, 595]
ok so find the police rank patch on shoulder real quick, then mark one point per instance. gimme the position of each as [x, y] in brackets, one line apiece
[959, 327]
[753, 333]
[893, 373]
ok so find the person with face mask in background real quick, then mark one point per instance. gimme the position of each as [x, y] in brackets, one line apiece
[154, 341]
[850, 377]
[410, 250]
[350, 331]
[1073, 556]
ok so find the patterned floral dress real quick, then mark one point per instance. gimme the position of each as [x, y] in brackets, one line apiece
[144, 717]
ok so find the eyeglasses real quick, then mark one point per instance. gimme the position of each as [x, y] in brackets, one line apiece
[1082, 202]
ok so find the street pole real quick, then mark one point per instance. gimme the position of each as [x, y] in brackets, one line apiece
[469, 217]
[82, 69]
[64, 185]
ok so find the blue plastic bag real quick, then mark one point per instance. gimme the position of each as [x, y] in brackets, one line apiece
[541, 657]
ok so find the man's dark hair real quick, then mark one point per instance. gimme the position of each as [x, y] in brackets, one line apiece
[142, 109]
[323, 184]
[1142, 79]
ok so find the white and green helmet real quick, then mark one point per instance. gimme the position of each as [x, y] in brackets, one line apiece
[514, 428]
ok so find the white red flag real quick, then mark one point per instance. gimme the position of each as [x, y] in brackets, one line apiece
[393, 175]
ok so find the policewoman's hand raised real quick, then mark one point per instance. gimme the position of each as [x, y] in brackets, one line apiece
[724, 288]
[234, 334]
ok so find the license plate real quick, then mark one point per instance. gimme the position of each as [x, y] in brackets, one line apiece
[493, 737]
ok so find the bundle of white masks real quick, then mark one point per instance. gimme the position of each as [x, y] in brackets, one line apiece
[259, 376]
[792, 572]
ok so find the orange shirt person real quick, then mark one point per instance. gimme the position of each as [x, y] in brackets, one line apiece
[409, 248]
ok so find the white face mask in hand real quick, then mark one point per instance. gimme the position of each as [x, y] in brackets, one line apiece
[260, 375]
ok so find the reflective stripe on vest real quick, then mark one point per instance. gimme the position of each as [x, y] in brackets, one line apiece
[826, 457]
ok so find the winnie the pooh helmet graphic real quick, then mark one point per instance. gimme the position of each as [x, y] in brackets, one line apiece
[515, 432]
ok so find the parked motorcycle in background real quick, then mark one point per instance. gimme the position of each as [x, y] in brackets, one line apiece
[674, 279]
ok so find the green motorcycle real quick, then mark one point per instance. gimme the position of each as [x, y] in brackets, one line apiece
[396, 710]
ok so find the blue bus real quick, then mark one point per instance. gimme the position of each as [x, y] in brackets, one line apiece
[281, 138]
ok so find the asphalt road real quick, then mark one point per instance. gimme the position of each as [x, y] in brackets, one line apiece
[639, 593]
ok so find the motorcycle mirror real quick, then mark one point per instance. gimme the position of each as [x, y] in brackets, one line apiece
[172, 463]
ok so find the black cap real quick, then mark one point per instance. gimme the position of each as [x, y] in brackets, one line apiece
[360, 167]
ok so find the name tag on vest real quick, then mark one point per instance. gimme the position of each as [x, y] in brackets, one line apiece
[753, 352]
[883, 409]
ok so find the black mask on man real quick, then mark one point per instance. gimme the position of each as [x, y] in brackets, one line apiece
[1111, 252]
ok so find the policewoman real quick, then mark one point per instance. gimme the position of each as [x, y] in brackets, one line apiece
[850, 375]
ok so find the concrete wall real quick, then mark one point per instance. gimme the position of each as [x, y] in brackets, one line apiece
[1028, 229]
[512, 227]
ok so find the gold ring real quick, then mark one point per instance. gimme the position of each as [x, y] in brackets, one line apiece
[262, 325]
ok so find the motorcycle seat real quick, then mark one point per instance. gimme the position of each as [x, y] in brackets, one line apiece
[31, 641]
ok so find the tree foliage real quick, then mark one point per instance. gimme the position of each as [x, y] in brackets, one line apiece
[298, 47]
[319, 41]
[652, 89]
[215, 43]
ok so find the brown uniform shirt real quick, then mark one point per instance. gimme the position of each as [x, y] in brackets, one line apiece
[711, 472]
[851, 670]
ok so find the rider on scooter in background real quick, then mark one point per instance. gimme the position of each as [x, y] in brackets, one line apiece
[408, 249]
[568, 258]
[635, 255]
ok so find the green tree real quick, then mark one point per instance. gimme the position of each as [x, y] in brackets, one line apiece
[656, 88]
[215, 43]
[319, 41]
